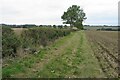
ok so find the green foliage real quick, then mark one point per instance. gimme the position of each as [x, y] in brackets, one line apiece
[79, 25]
[30, 39]
[74, 16]
[10, 42]
[41, 36]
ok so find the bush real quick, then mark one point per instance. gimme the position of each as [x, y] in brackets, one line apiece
[10, 42]
[41, 36]
[30, 39]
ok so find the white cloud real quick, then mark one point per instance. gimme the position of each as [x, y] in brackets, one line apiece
[50, 11]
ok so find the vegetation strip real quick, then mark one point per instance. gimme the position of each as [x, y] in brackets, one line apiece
[10, 70]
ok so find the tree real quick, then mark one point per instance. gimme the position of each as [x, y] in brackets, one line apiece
[74, 16]
[54, 26]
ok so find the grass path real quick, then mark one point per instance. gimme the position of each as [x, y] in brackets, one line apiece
[70, 56]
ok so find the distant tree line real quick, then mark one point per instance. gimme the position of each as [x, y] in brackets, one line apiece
[100, 26]
[33, 25]
[108, 29]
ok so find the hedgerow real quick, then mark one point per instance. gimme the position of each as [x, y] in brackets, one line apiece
[42, 36]
[30, 39]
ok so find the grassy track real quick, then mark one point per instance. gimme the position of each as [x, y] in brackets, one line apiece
[70, 56]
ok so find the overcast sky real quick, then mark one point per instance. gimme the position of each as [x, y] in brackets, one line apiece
[98, 12]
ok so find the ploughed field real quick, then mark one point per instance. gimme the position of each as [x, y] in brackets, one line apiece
[105, 47]
[81, 54]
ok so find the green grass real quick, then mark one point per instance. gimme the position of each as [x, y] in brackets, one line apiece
[88, 65]
[20, 65]
[60, 41]
[58, 67]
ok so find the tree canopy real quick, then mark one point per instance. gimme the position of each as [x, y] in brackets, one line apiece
[74, 16]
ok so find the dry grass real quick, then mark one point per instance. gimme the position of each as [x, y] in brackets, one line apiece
[18, 31]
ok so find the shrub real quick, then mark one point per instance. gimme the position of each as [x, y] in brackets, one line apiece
[10, 42]
[41, 36]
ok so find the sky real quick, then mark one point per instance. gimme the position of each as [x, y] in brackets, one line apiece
[49, 12]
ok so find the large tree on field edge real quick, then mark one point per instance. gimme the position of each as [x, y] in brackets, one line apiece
[74, 16]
